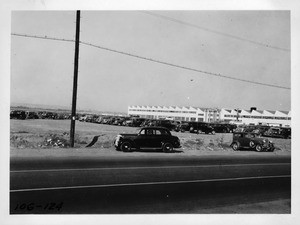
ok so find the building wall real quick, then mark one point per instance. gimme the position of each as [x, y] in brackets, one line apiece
[255, 117]
[175, 113]
[185, 114]
[211, 115]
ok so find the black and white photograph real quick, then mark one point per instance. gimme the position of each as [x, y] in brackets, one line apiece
[151, 112]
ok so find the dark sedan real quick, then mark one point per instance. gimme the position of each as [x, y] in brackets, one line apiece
[148, 138]
[251, 141]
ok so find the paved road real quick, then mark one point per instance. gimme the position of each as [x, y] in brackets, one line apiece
[165, 183]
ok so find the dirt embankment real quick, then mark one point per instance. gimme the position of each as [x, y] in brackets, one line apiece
[47, 134]
[218, 142]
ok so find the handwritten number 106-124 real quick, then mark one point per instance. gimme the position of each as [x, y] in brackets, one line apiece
[32, 206]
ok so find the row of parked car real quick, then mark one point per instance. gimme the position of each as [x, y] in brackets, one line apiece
[22, 115]
[192, 127]
[178, 126]
[203, 127]
[267, 131]
[171, 125]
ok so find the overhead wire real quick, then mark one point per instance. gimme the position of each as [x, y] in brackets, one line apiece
[215, 31]
[42, 37]
[153, 60]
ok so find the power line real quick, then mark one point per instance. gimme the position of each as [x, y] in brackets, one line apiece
[42, 37]
[156, 61]
[216, 32]
[182, 67]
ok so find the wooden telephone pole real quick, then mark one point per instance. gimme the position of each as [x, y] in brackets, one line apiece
[74, 98]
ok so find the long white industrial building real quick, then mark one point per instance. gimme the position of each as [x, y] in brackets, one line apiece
[240, 116]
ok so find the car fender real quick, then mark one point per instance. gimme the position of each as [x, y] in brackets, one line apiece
[238, 143]
[172, 140]
[166, 141]
[122, 140]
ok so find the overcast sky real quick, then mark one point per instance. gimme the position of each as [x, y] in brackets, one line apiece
[219, 42]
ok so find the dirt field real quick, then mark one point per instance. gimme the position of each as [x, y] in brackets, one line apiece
[54, 134]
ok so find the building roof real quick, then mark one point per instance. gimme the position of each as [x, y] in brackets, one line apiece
[271, 111]
[285, 112]
[268, 113]
[231, 111]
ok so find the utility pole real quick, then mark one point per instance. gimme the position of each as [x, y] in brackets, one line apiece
[75, 79]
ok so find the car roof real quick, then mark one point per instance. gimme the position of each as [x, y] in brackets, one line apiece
[156, 127]
[242, 132]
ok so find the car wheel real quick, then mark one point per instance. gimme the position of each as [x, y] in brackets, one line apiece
[252, 145]
[125, 147]
[167, 147]
[258, 148]
[235, 146]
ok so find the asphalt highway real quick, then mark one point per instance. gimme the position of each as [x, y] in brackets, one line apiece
[166, 183]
